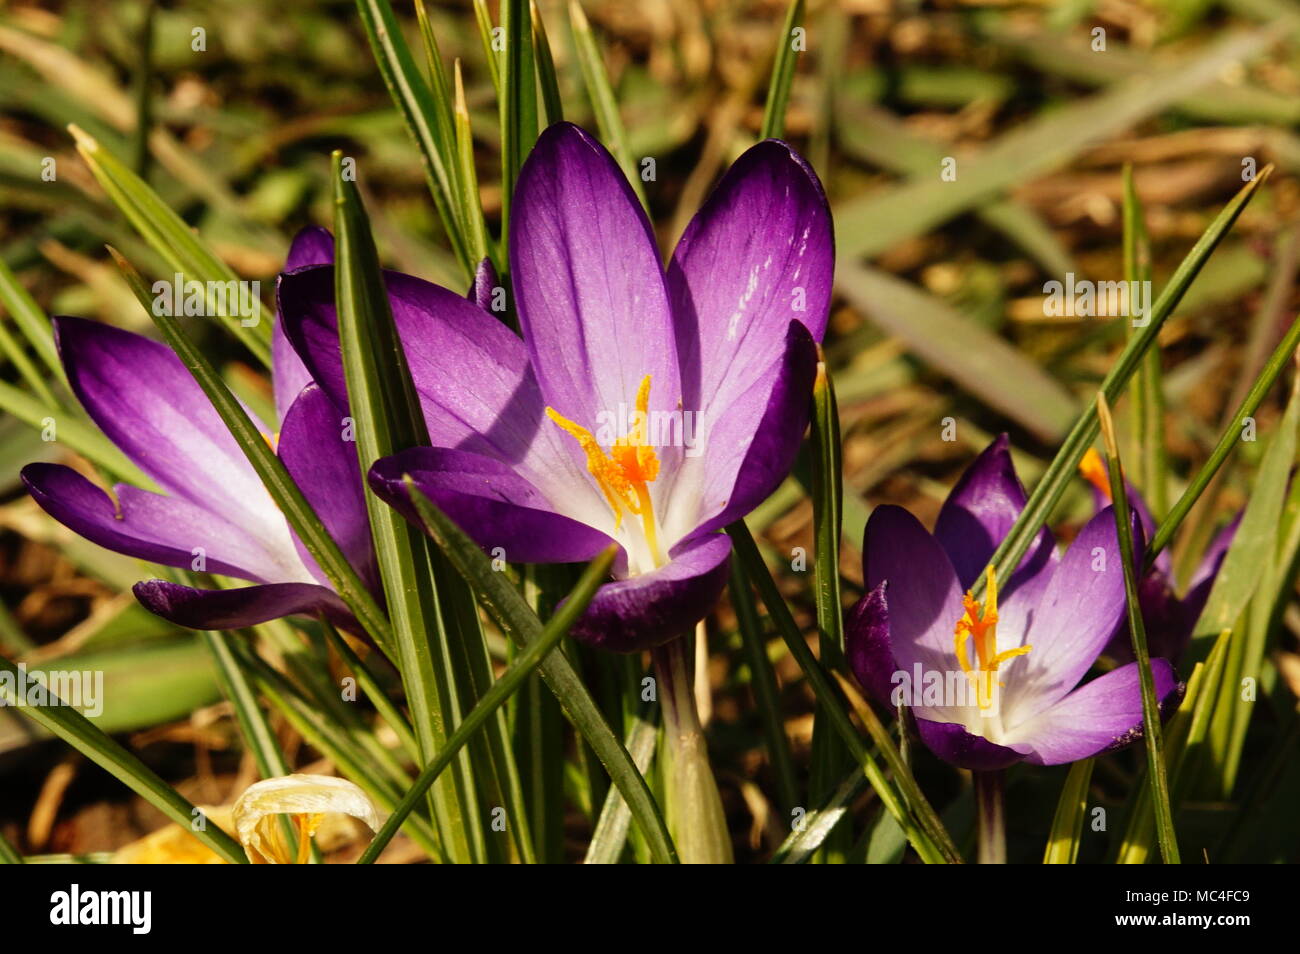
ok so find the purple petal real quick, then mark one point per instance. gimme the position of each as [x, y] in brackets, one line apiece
[924, 597]
[978, 515]
[470, 371]
[588, 284]
[746, 457]
[648, 610]
[1102, 715]
[149, 405]
[952, 743]
[758, 255]
[867, 647]
[489, 501]
[237, 608]
[152, 527]
[312, 246]
[324, 465]
[1082, 605]
[485, 285]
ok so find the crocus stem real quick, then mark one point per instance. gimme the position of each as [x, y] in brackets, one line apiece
[990, 810]
[694, 806]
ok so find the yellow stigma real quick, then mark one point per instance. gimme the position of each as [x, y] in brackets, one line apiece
[980, 625]
[274, 850]
[1094, 472]
[624, 471]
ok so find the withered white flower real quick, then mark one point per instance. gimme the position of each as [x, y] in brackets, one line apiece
[306, 799]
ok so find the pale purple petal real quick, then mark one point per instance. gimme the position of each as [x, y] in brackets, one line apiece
[1102, 715]
[167, 530]
[471, 374]
[647, 610]
[492, 503]
[146, 402]
[924, 597]
[1079, 612]
[485, 284]
[588, 283]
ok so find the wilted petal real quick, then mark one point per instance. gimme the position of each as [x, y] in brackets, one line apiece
[245, 606]
[493, 504]
[153, 527]
[1102, 715]
[306, 798]
[588, 284]
[650, 609]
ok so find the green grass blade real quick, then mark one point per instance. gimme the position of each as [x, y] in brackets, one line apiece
[518, 101]
[484, 20]
[9, 855]
[1152, 735]
[75, 729]
[610, 834]
[504, 687]
[471, 206]
[603, 102]
[929, 839]
[388, 417]
[420, 111]
[547, 80]
[1067, 823]
[778, 89]
[369, 684]
[177, 243]
[762, 681]
[1061, 470]
[31, 321]
[816, 825]
[520, 624]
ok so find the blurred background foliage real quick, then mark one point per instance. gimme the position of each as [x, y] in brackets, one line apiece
[939, 312]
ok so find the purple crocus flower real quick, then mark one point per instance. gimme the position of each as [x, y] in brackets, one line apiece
[214, 514]
[1018, 657]
[646, 408]
[1169, 619]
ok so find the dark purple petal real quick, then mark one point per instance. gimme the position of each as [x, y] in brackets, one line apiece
[979, 513]
[312, 246]
[758, 255]
[471, 374]
[1102, 715]
[485, 284]
[866, 644]
[1082, 606]
[237, 608]
[647, 610]
[745, 458]
[588, 284]
[152, 527]
[149, 405]
[490, 502]
[924, 598]
[952, 743]
[322, 460]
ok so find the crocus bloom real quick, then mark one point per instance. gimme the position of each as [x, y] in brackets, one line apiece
[1022, 651]
[641, 407]
[1168, 618]
[214, 513]
[306, 799]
